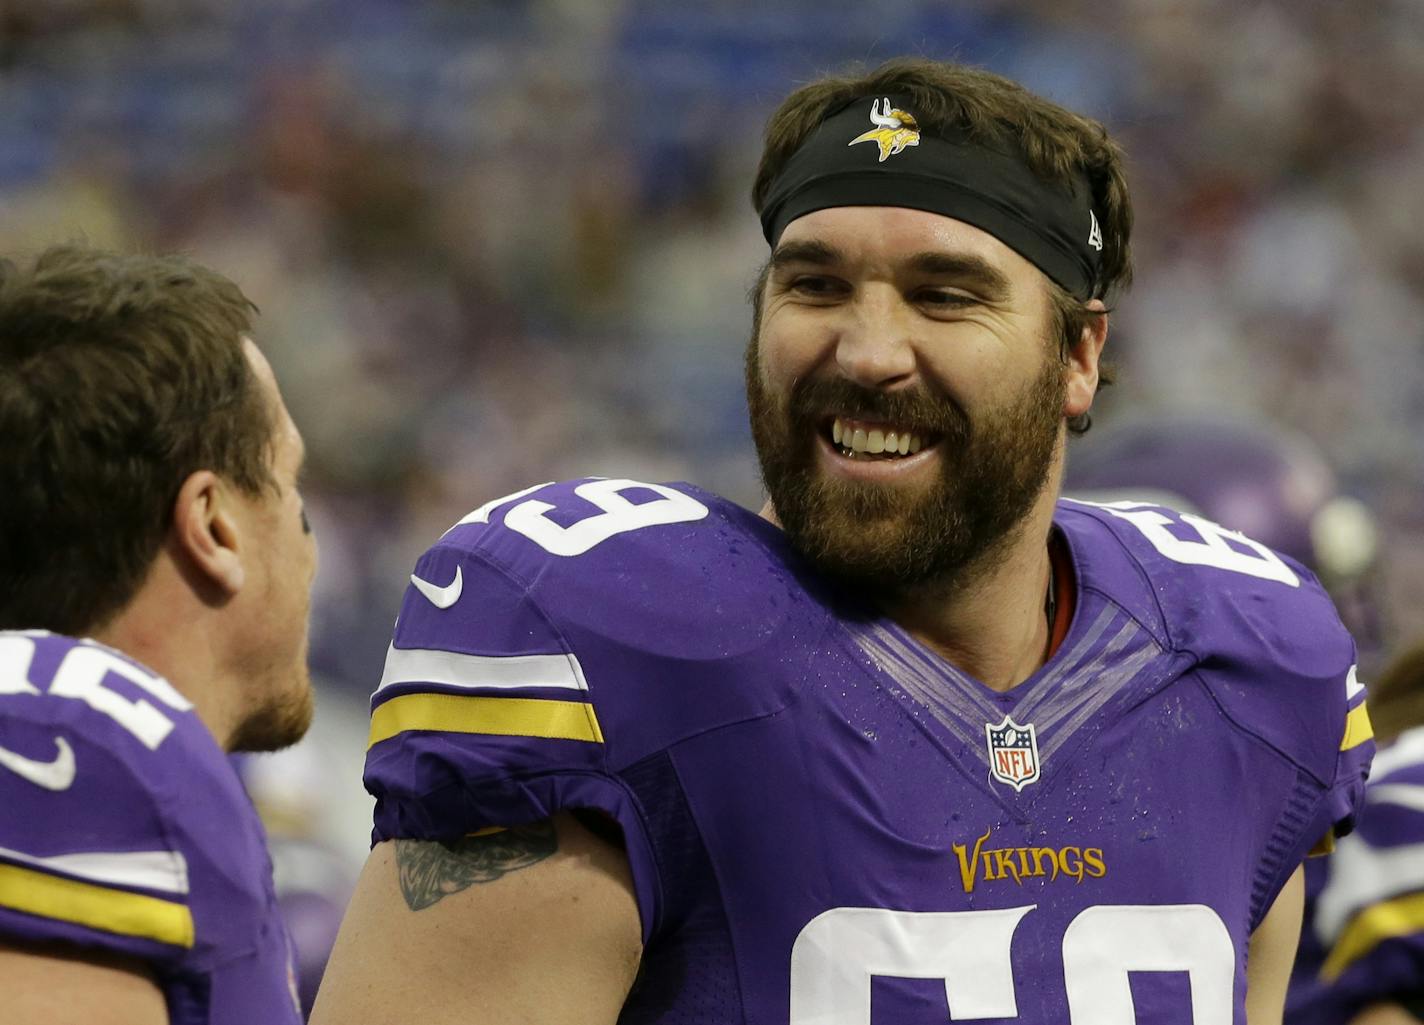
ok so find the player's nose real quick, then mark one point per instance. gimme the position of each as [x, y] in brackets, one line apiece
[875, 346]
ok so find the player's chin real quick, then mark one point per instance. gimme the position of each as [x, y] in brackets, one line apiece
[841, 463]
[280, 722]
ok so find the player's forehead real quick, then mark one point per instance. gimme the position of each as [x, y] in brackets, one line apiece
[892, 237]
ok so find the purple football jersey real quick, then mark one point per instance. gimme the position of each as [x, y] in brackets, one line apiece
[826, 822]
[124, 829]
[1363, 940]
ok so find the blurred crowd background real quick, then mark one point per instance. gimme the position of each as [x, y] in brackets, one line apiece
[498, 242]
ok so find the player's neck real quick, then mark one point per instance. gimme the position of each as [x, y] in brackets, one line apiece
[178, 636]
[991, 621]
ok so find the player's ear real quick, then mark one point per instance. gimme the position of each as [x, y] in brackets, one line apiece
[206, 534]
[1080, 370]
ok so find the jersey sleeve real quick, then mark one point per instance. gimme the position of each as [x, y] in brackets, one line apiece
[483, 717]
[1346, 797]
[1282, 668]
[114, 877]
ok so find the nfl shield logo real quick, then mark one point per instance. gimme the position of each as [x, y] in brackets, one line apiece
[1013, 753]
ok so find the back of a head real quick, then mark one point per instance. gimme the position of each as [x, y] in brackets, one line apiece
[988, 108]
[120, 375]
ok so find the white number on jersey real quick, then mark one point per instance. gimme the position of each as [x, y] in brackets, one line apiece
[839, 951]
[1212, 548]
[618, 516]
[81, 677]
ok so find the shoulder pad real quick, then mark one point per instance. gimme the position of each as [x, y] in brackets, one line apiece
[116, 806]
[633, 600]
[1266, 637]
[663, 567]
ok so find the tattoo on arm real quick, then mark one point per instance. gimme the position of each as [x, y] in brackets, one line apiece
[431, 870]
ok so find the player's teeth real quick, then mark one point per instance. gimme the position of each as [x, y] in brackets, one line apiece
[858, 440]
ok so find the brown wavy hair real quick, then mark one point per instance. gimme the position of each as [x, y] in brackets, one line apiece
[120, 376]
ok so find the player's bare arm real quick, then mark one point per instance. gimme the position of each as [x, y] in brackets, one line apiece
[532, 924]
[54, 985]
[1271, 953]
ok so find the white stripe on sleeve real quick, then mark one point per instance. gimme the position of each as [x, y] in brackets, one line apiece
[480, 672]
[166, 871]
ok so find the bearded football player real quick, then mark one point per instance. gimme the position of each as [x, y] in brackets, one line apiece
[920, 742]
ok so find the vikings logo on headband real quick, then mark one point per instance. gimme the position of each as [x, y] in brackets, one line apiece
[896, 130]
[991, 186]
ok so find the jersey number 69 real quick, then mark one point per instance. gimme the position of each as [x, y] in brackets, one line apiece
[839, 951]
[617, 515]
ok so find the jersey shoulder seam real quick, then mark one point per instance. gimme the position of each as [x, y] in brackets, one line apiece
[1243, 728]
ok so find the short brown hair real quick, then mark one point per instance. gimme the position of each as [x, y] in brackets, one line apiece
[989, 108]
[1056, 143]
[120, 376]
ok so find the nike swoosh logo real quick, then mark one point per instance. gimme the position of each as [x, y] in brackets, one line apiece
[53, 775]
[440, 597]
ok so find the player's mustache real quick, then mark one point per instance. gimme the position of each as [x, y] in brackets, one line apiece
[815, 398]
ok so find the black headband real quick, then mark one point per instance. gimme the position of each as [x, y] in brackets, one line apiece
[872, 153]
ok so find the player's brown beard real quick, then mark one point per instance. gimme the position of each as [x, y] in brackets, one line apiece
[892, 540]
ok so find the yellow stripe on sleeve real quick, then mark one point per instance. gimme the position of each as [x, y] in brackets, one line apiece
[1370, 928]
[98, 907]
[1357, 727]
[509, 717]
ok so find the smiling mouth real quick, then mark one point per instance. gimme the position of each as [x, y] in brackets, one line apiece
[858, 439]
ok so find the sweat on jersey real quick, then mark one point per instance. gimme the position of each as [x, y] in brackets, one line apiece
[826, 822]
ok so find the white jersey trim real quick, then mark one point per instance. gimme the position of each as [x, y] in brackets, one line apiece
[480, 672]
[166, 871]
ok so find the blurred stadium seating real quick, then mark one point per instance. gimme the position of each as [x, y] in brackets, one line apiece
[499, 242]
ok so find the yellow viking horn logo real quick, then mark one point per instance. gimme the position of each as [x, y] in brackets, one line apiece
[895, 129]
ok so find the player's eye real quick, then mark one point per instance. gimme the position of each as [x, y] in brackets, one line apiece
[944, 299]
[818, 286]
[306, 523]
